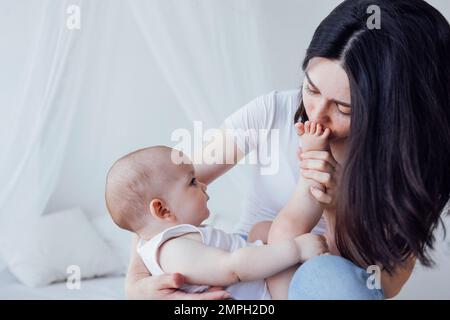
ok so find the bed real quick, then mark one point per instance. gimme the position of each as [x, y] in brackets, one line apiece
[104, 288]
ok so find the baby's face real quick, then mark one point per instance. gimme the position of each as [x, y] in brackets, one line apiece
[188, 197]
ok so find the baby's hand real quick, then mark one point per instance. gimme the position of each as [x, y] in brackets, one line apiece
[310, 245]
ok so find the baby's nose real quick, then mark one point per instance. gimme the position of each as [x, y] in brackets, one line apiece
[204, 191]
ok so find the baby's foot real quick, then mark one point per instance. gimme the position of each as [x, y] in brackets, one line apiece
[313, 136]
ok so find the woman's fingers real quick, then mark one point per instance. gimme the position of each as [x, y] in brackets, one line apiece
[171, 282]
[323, 178]
[320, 195]
[314, 164]
[211, 289]
[319, 155]
[214, 295]
[208, 295]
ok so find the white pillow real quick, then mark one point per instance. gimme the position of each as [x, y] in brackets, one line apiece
[40, 252]
[118, 239]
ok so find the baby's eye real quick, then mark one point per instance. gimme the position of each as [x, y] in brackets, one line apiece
[193, 182]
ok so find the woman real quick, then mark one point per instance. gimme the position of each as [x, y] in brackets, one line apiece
[385, 95]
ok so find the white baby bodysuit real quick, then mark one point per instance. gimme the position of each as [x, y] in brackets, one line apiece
[245, 290]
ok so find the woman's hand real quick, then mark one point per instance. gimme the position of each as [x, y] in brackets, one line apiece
[321, 167]
[165, 287]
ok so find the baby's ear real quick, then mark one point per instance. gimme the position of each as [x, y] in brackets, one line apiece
[159, 211]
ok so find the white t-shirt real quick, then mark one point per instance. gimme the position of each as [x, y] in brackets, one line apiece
[268, 193]
[245, 290]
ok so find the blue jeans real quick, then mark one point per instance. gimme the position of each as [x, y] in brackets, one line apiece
[328, 277]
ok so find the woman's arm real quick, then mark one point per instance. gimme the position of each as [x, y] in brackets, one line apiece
[212, 168]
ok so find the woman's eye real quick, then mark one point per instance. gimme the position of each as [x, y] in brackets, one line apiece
[344, 110]
[309, 91]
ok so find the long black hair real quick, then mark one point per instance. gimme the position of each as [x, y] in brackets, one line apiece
[396, 179]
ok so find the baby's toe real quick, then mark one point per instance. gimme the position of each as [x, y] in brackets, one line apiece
[307, 127]
[318, 129]
[313, 128]
[300, 127]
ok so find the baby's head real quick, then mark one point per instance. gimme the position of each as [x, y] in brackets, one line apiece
[147, 189]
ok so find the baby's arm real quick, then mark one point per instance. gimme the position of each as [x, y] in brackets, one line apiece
[203, 265]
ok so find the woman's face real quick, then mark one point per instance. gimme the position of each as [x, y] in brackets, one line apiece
[326, 97]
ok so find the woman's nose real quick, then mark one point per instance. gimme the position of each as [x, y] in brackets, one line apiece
[319, 113]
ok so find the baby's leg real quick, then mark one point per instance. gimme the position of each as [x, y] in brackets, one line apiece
[303, 211]
[313, 138]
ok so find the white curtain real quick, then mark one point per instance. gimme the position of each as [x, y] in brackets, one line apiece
[209, 51]
[210, 54]
[39, 93]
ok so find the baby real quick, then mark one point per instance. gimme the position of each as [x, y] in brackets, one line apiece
[164, 204]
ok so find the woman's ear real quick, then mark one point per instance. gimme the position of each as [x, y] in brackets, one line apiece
[159, 211]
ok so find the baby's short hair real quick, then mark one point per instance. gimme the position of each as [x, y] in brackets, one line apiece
[132, 182]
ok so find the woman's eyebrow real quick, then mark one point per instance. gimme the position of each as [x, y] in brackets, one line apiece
[315, 87]
[310, 82]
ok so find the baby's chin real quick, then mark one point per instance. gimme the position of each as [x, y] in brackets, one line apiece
[206, 215]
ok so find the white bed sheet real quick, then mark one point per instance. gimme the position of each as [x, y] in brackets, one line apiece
[108, 288]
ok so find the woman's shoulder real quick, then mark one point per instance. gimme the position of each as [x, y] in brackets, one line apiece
[281, 97]
[277, 103]
[267, 111]
[287, 94]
